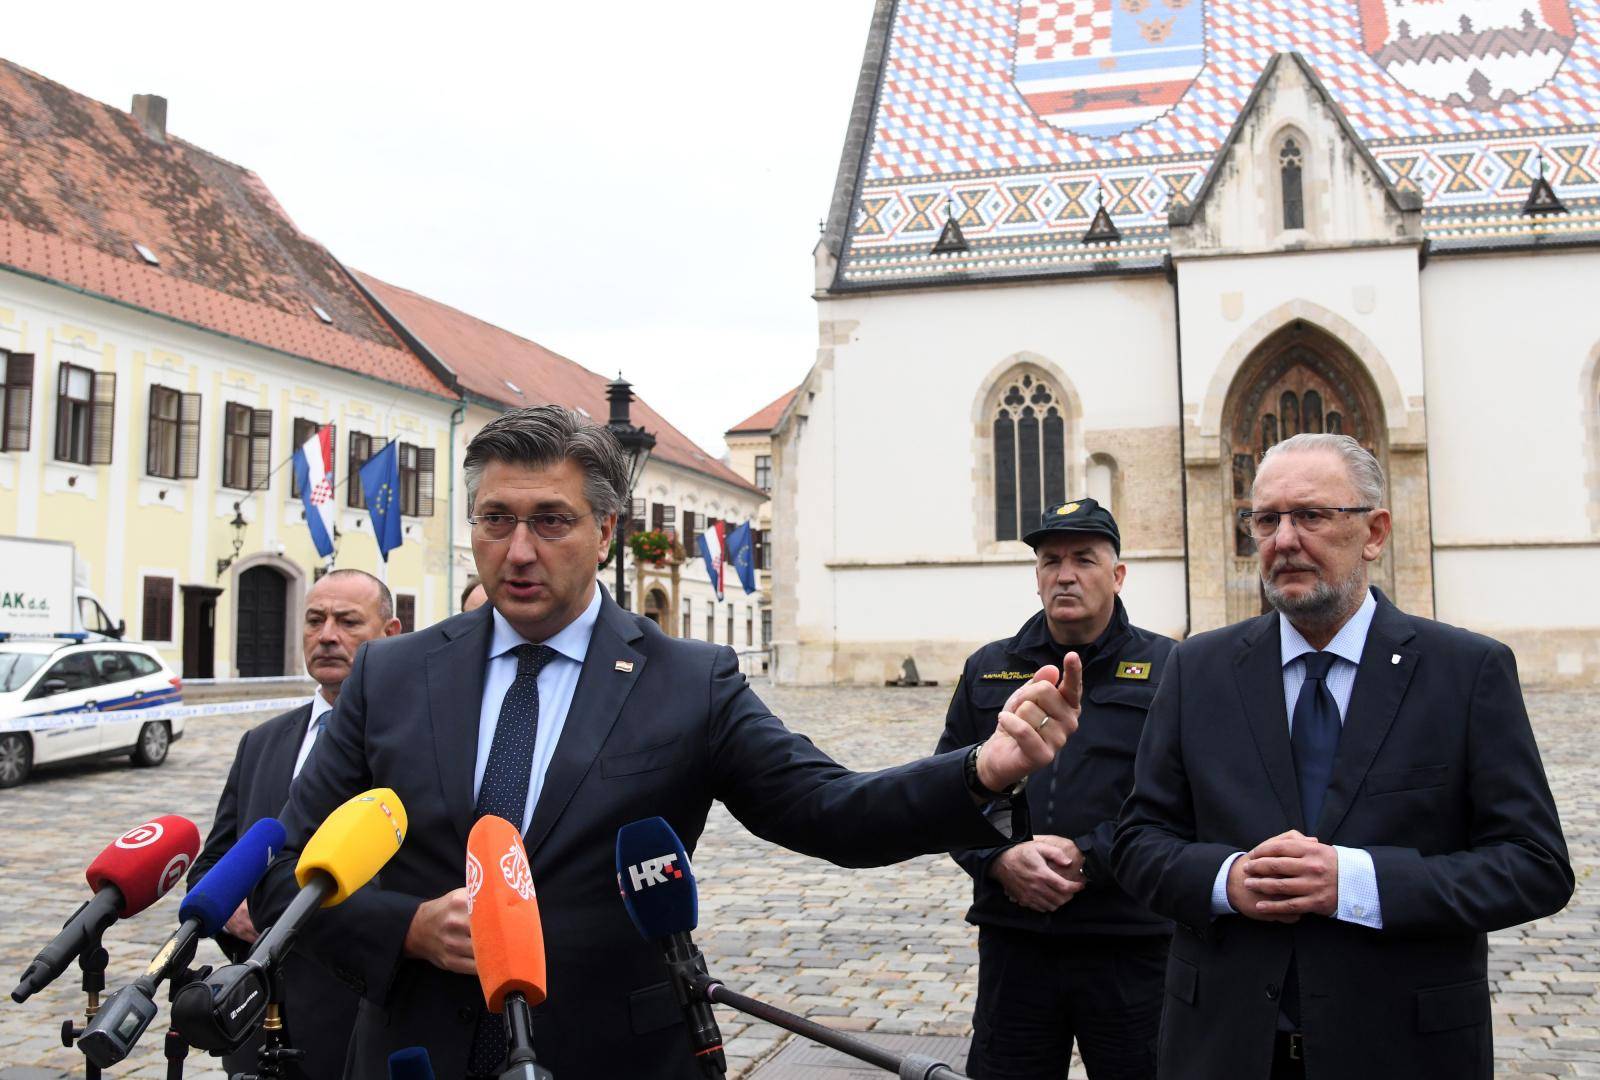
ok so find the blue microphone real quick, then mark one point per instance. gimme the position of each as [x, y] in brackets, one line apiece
[657, 886]
[125, 1015]
[410, 1064]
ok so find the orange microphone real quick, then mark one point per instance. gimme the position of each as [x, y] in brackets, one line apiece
[507, 938]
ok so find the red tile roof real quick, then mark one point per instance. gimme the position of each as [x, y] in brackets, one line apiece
[508, 370]
[765, 419]
[81, 183]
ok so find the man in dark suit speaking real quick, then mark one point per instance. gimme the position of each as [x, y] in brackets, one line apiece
[1335, 802]
[343, 609]
[555, 709]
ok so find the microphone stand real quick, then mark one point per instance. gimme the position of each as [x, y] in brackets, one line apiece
[92, 960]
[174, 1048]
[907, 1067]
[519, 1034]
[275, 1052]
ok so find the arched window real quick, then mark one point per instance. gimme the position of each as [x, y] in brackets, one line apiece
[1291, 165]
[1028, 424]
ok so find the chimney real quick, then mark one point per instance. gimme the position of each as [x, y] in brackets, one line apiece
[151, 112]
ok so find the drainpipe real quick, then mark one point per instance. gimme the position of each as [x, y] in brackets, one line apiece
[1183, 458]
[457, 417]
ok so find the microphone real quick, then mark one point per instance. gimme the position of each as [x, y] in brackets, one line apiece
[657, 886]
[125, 1015]
[412, 1063]
[133, 872]
[347, 851]
[507, 937]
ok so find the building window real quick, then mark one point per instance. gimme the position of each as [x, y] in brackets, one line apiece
[1030, 453]
[749, 628]
[766, 627]
[157, 609]
[246, 447]
[691, 531]
[303, 431]
[1103, 480]
[362, 449]
[688, 622]
[711, 624]
[663, 517]
[405, 609]
[636, 516]
[85, 402]
[1291, 179]
[764, 472]
[416, 480]
[763, 546]
[16, 401]
[730, 624]
[173, 450]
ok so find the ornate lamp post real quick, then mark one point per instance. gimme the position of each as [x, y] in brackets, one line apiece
[637, 444]
[239, 525]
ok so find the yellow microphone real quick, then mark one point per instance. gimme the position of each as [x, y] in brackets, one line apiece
[353, 844]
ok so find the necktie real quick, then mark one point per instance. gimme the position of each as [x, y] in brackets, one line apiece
[504, 793]
[1315, 737]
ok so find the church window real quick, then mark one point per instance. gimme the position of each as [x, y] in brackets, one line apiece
[1311, 412]
[1030, 453]
[1291, 180]
[1288, 414]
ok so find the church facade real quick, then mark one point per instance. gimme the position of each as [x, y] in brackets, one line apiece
[1118, 247]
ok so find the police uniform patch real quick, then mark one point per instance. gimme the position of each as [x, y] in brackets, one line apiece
[1006, 676]
[1133, 669]
[1063, 511]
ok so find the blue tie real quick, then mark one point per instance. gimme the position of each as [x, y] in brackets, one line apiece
[504, 793]
[1315, 737]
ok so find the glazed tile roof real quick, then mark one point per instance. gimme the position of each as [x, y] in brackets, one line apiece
[765, 419]
[81, 183]
[504, 369]
[1021, 119]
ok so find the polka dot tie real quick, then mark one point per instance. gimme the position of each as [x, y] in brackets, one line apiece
[504, 793]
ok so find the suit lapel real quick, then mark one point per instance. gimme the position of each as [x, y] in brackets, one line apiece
[1381, 683]
[455, 701]
[610, 669]
[276, 763]
[1258, 669]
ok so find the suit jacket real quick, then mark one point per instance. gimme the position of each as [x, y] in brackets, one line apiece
[1437, 776]
[657, 726]
[319, 1011]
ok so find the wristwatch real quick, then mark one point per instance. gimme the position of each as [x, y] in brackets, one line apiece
[976, 786]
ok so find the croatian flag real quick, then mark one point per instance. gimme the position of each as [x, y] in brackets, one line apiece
[313, 469]
[711, 548]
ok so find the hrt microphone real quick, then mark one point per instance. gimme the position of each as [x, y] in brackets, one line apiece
[658, 888]
[132, 873]
[412, 1063]
[125, 1015]
[507, 938]
[352, 845]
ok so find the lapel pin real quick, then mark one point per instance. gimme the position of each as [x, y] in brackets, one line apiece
[1395, 659]
[627, 665]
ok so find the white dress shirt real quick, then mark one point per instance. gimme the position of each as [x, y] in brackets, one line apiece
[320, 707]
[1358, 878]
[557, 683]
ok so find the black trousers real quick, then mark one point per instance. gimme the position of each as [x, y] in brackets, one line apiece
[1039, 993]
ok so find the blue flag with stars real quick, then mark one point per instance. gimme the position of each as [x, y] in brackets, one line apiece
[380, 483]
[740, 552]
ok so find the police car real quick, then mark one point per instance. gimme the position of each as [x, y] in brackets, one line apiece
[59, 700]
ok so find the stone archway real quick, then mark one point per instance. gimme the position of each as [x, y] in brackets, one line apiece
[655, 607]
[1299, 379]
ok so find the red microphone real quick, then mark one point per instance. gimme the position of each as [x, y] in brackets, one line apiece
[133, 872]
[507, 938]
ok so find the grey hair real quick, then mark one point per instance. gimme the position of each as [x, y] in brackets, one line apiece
[545, 435]
[385, 597]
[1366, 475]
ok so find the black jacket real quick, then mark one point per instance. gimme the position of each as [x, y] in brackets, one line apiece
[318, 1010]
[1079, 796]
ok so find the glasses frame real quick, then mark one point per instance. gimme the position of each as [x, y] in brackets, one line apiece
[1249, 516]
[570, 519]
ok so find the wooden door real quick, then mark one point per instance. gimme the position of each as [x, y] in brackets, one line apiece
[262, 597]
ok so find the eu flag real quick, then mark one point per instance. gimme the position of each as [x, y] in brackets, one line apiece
[380, 483]
[740, 551]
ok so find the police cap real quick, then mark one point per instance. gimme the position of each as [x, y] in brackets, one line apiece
[1079, 516]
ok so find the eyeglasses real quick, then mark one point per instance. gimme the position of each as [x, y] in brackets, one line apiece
[544, 526]
[1263, 524]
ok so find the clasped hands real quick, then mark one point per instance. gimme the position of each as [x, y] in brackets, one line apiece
[1040, 874]
[1284, 878]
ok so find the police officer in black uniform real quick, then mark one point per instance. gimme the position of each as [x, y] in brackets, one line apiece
[1063, 952]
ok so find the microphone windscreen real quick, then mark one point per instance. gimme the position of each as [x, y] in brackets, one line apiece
[655, 878]
[354, 842]
[410, 1064]
[507, 938]
[218, 895]
[144, 862]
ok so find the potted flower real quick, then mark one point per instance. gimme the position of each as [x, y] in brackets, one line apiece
[653, 547]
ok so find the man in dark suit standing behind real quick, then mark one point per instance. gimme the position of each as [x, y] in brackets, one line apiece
[556, 710]
[344, 609]
[1335, 802]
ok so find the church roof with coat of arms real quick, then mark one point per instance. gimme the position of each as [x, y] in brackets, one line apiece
[1018, 120]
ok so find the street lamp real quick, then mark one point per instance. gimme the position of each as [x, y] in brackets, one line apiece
[637, 444]
[239, 525]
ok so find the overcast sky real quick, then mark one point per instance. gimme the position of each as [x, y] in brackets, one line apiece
[634, 185]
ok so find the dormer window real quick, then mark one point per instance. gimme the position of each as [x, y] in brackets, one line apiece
[1290, 176]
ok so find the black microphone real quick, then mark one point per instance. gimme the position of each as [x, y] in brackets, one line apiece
[658, 888]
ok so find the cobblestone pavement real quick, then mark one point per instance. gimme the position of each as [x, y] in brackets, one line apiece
[868, 951]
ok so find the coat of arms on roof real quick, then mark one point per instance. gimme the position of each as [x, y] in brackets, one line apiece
[1103, 67]
[1475, 54]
